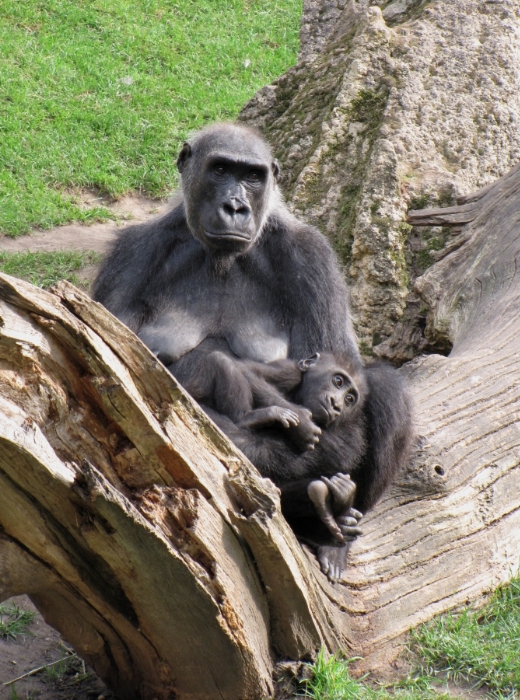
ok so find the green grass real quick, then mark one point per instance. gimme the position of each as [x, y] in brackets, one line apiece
[57, 671]
[45, 269]
[101, 94]
[14, 621]
[13, 695]
[482, 645]
[332, 681]
[476, 647]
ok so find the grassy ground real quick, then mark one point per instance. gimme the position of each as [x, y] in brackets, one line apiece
[476, 647]
[14, 621]
[45, 269]
[101, 94]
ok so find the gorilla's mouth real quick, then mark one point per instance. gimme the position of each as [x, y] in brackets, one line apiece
[322, 416]
[237, 236]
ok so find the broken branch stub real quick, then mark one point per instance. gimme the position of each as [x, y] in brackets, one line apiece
[449, 530]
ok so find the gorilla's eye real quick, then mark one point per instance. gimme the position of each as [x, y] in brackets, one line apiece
[338, 381]
[350, 399]
[220, 169]
[254, 175]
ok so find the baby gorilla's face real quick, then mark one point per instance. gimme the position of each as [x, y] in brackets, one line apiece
[328, 388]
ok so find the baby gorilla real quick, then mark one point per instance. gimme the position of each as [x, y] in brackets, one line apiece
[299, 395]
[275, 412]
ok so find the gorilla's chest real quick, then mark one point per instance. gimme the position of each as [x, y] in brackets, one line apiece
[235, 308]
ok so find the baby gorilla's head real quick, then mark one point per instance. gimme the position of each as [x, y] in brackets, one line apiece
[331, 388]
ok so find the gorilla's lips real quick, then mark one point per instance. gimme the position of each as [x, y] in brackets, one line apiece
[237, 236]
[321, 415]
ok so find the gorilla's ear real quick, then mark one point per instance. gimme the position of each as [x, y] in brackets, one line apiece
[183, 156]
[275, 167]
[304, 365]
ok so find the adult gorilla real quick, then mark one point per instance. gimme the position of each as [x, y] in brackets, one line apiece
[230, 262]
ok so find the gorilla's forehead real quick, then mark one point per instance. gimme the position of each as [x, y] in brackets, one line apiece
[249, 158]
[235, 143]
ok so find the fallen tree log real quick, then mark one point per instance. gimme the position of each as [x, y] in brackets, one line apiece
[152, 545]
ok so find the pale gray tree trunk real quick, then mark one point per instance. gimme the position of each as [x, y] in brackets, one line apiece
[393, 105]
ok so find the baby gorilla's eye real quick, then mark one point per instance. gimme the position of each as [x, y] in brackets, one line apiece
[350, 399]
[254, 176]
[338, 381]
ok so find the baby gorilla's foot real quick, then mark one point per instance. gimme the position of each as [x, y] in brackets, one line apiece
[332, 498]
[342, 490]
[319, 494]
[333, 561]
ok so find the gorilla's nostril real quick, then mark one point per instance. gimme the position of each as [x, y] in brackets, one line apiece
[229, 210]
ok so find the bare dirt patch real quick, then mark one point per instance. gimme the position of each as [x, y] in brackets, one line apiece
[68, 680]
[133, 208]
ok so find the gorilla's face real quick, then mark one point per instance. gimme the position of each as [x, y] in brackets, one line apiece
[328, 389]
[228, 181]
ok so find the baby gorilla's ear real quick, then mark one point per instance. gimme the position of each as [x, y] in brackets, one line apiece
[304, 365]
[183, 156]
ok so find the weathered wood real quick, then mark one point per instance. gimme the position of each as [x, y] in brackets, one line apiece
[450, 529]
[149, 541]
[125, 513]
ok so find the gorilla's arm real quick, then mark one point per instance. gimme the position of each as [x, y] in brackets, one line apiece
[311, 289]
[131, 278]
[389, 425]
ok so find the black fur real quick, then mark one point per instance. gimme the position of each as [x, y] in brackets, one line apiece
[303, 396]
[229, 262]
[370, 443]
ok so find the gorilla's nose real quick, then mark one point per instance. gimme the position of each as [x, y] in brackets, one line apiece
[235, 213]
[335, 404]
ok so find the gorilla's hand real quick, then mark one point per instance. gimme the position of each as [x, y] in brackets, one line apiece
[348, 524]
[260, 417]
[306, 434]
[342, 491]
[333, 561]
[332, 499]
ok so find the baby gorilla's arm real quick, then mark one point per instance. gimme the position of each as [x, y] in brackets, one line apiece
[260, 417]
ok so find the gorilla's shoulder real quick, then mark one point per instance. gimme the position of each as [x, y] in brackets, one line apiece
[156, 233]
[294, 245]
[297, 242]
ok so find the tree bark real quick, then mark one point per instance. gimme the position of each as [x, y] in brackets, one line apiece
[449, 531]
[157, 550]
[406, 105]
[137, 529]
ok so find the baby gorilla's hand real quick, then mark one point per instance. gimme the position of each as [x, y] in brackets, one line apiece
[285, 416]
[306, 434]
[342, 490]
[348, 524]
